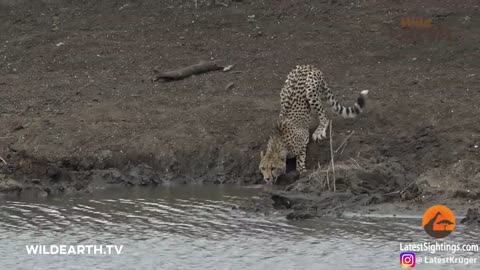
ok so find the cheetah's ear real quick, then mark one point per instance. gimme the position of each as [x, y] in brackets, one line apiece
[261, 154]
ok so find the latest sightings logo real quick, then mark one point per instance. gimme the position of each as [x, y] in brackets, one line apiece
[408, 259]
[438, 221]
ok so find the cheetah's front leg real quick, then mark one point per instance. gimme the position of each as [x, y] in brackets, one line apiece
[300, 161]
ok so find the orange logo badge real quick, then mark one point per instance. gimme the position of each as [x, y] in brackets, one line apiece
[438, 221]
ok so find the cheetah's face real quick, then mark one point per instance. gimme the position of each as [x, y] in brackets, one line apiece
[272, 167]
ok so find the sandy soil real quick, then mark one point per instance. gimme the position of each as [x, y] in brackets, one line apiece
[78, 109]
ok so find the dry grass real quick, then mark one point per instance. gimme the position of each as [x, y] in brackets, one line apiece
[332, 162]
[3, 160]
[331, 166]
[325, 179]
[344, 144]
[318, 180]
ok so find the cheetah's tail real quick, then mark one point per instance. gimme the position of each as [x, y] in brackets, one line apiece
[351, 111]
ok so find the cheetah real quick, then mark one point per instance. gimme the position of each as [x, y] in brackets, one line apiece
[304, 90]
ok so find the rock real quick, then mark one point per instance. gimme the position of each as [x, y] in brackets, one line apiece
[111, 176]
[142, 175]
[299, 215]
[104, 159]
[472, 217]
[86, 164]
[33, 192]
[53, 172]
[9, 185]
[288, 178]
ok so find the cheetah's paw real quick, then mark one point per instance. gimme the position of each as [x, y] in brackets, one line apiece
[319, 134]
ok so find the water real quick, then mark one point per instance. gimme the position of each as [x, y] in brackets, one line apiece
[198, 227]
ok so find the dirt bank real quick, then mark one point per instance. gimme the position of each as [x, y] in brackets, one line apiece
[78, 110]
[376, 189]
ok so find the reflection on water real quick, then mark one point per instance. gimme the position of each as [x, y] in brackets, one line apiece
[193, 227]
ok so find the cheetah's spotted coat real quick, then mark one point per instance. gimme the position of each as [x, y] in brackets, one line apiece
[304, 90]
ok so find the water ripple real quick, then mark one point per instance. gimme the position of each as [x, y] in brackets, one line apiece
[207, 229]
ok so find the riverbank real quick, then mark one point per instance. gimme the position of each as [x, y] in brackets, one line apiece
[383, 189]
[79, 111]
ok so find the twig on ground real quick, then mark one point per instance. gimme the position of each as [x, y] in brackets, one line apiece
[407, 186]
[19, 127]
[331, 156]
[223, 4]
[228, 68]
[328, 179]
[230, 85]
[344, 143]
[182, 73]
[6, 137]
[403, 190]
[189, 177]
[3, 160]
[343, 149]
[355, 162]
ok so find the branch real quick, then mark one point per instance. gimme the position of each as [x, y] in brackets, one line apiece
[182, 73]
[331, 157]
[344, 143]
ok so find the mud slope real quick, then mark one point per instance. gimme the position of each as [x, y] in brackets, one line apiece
[78, 110]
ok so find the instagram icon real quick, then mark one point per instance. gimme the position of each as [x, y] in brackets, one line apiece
[408, 259]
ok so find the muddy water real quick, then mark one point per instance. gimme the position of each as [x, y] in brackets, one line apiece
[201, 228]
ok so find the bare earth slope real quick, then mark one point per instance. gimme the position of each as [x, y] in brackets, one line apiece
[78, 108]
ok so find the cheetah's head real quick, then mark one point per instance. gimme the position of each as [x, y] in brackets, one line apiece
[272, 165]
[274, 162]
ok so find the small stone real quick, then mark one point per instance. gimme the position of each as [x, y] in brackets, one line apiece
[9, 185]
[33, 192]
